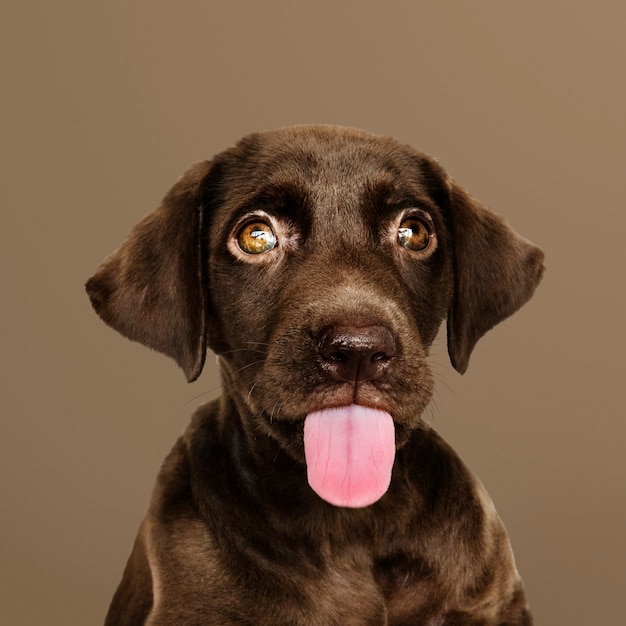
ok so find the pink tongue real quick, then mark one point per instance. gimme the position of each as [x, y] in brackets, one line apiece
[349, 454]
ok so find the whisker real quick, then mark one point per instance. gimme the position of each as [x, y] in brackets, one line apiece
[244, 367]
[203, 394]
[277, 406]
[251, 390]
[242, 350]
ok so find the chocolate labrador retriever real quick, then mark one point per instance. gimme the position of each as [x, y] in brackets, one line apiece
[318, 263]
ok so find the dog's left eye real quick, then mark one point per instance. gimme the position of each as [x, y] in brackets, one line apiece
[256, 238]
[414, 234]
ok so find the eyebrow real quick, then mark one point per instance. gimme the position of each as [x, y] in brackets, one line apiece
[393, 194]
[283, 199]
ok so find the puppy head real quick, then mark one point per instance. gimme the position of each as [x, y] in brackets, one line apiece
[331, 202]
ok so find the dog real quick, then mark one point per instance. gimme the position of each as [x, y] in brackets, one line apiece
[318, 263]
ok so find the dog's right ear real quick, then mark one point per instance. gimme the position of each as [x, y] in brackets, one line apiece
[152, 289]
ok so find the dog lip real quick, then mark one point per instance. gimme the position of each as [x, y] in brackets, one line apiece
[380, 406]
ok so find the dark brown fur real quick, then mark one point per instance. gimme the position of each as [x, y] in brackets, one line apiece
[234, 534]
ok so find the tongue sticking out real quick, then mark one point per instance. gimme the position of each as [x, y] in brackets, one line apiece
[349, 454]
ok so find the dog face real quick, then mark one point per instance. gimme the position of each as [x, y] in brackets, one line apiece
[318, 263]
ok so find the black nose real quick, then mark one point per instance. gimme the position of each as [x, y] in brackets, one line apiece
[356, 354]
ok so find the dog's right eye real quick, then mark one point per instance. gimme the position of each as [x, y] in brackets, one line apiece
[256, 238]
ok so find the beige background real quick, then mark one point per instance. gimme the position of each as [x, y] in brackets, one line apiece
[105, 104]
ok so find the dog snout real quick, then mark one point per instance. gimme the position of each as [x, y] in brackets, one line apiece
[356, 354]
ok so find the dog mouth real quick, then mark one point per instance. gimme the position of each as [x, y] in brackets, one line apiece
[345, 434]
[339, 409]
[349, 453]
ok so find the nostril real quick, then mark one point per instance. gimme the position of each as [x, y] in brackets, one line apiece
[337, 357]
[380, 356]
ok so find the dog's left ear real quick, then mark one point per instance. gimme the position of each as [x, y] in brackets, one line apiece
[152, 289]
[495, 273]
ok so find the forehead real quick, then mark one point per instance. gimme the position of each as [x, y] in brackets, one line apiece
[324, 166]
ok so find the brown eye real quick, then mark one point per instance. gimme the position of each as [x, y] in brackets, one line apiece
[256, 238]
[414, 234]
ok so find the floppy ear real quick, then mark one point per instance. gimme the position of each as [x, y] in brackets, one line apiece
[495, 273]
[152, 289]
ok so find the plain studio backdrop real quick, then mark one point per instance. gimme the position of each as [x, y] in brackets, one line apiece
[105, 104]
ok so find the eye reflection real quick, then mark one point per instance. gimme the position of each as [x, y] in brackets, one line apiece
[414, 234]
[256, 238]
